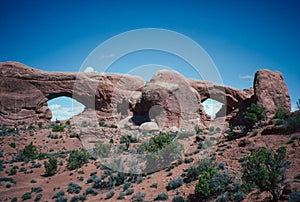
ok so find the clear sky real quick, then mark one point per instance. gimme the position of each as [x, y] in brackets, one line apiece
[240, 36]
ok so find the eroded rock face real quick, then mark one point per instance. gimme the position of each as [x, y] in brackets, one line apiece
[170, 100]
[25, 92]
[271, 91]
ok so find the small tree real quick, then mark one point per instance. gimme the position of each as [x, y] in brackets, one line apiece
[254, 113]
[265, 169]
[51, 166]
[280, 113]
[77, 159]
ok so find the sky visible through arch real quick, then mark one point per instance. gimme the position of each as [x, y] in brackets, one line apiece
[240, 36]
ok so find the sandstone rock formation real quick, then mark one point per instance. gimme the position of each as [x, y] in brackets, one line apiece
[171, 101]
[25, 91]
[271, 91]
[168, 99]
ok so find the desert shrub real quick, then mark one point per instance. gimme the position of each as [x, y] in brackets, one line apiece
[174, 184]
[183, 135]
[235, 134]
[188, 160]
[214, 182]
[113, 126]
[292, 124]
[161, 197]
[40, 124]
[129, 192]
[198, 130]
[58, 194]
[73, 188]
[38, 197]
[153, 185]
[13, 171]
[31, 127]
[8, 179]
[294, 196]
[84, 124]
[26, 196]
[61, 199]
[78, 198]
[102, 124]
[36, 189]
[161, 159]
[101, 150]
[58, 128]
[138, 197]
[14, 199]
[51, 166]
[8, 186]
[178, 199]
[160, 151]
[280, 113]
[265, 169]
[90, 191]
[293, 139]
[126, 186]
[29, 152]
[12, 145]
[77, 158]
[121, 196]
[125, 138]
[254, 113]
[110, 194]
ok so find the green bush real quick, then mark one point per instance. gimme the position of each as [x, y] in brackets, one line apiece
[77, 159]
[58, 194]
[213, 183]
[38, 197]
[73, 188]
[138, 197]
[58, 128]
[292, 124]
[8, 179]
[90, 191]
[26, 196]
[51, 166]
[161, 151]
[174, 184]
[198, 130]
[13, 171]
[29, 152]
[254, 113]
[12, 145]
[110, 194]
[161, 197]
[265, 169]
[14, 199]
[178, 199]
[36, 189]
[280, 113]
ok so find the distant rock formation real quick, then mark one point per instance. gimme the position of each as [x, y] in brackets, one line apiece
[168, 98]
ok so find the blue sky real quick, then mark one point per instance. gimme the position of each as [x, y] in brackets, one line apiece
[240, 36]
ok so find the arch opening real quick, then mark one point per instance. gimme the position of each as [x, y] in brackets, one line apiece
[212, 107]
[64, 108]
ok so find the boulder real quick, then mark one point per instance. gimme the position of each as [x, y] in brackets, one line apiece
[271, 91]
[149, 126]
